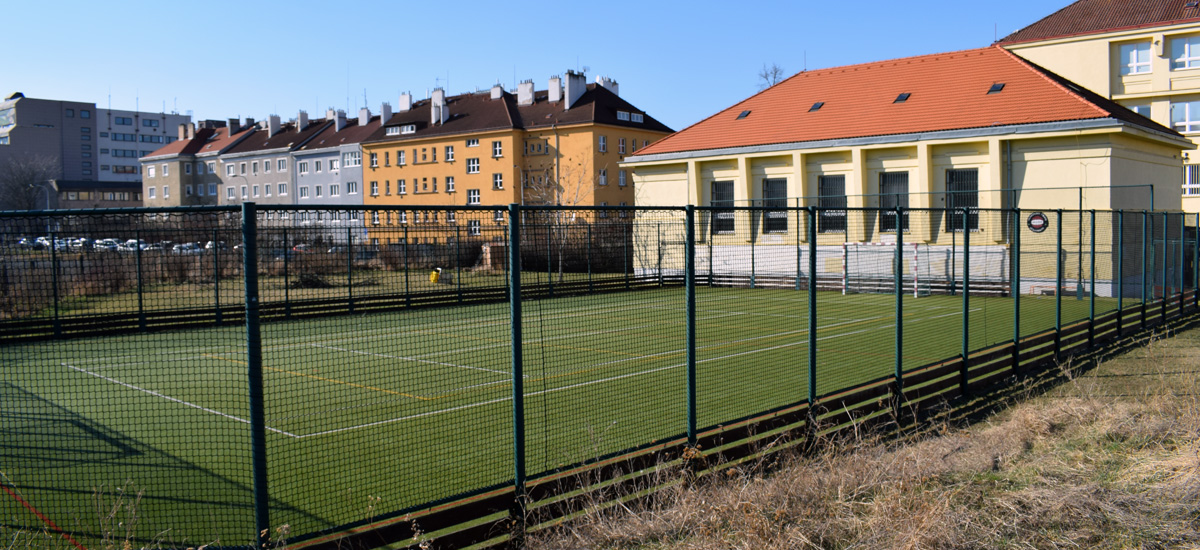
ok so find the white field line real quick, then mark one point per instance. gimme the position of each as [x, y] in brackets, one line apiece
[413, 359]
[604, 380]
[169, 398]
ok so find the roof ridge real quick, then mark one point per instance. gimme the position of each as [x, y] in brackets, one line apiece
[1060, 10]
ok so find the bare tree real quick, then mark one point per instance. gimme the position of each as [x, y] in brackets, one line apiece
[573, 186]
[24, 179]
[770, 76]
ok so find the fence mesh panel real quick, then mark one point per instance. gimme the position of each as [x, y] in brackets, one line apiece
[387, 341]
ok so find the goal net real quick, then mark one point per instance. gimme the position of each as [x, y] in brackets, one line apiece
[870, 268]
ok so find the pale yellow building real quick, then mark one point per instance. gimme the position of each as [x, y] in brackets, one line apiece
[1143, 54]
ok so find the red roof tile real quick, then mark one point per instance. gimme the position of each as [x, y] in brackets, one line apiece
[1098, 16]
[949, 91]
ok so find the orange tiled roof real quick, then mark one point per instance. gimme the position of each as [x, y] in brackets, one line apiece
[1097, 16]
[949, 91]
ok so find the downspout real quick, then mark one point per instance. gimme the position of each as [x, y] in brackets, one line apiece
[557, 155]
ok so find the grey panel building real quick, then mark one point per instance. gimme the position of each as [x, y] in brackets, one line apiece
[260, 167]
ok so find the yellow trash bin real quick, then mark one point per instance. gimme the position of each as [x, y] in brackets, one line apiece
[435, 275]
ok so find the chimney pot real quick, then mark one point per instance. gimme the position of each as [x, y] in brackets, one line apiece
[234, 126]
[385, 112]
[182, 131]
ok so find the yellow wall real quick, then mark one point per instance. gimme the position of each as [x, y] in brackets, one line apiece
[1093, 61]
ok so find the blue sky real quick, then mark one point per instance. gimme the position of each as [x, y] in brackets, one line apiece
[679, 61]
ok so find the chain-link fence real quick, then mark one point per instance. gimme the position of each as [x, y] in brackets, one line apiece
[373, 362]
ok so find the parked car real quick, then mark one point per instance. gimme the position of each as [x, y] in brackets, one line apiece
[302, 248]
[79, 243]
[187, 249]
[30, 243]
[132, 245]
[107, 244]
[219, 245]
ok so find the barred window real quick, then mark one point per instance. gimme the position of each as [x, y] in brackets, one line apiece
[775, 197]
[721, 198]
[1191, 179]
[831, 201]
[893, 189]
[962, 191]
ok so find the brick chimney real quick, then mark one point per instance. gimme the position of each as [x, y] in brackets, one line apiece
[182, 131]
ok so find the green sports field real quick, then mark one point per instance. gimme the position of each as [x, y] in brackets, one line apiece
[368, 415]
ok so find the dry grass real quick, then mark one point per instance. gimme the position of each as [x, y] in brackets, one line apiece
[1107, 459]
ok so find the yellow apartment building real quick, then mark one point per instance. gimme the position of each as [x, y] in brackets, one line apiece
[560, 146]
[1143, 54]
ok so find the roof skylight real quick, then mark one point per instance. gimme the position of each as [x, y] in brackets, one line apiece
[995, 89]
[816, 106]
[743, 115]
[902, 97]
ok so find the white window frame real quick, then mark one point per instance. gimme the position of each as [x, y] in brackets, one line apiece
[472, 143]
[497, 149]
[1185, 52]
[266, 189]
[245, 193]
[229, 192]
[255, 190]
[335, 190]
[302, 167]
[472, 166]
[449, 153]
[187, 168]
[1185, 116]
[212, 167]
[620, 146]
[401, 158]
[150, 193]
[473, 196]
[498, 181]
[282, 189]
[303, 192]
[150, 172]
[603, 178]
[449, 184]
[1134, 58]
[374, 158]
[1191, 180]
[212, 189]
[621, 178]
[392, 131]
[603, 146]
[474, 228]
[281, 165]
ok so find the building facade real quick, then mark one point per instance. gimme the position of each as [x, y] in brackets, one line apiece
[559, 146]
[185, 172]
[1143, 54]
[260, 168]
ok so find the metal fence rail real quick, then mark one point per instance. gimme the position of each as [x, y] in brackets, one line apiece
[235, 377]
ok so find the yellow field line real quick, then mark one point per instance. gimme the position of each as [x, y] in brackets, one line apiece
[324, 379]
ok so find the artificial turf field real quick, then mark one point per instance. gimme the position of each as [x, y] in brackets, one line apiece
[367, 415]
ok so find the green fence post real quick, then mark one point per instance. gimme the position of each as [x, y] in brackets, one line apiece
[287, 254]
[660, 254]
[1180, 264]
[966, 301]
[812, 312]
[898, 281]
[258, 438]
[1016, 288]
[1145, 232]
[507, 288]
[1165, 255]
[953, 256]
[753, 241]
[591, 286]
[518, 377]
[710, 252]
[1196, 266]
[216, 274]
[350, 270]
[54, 280]
[798, 255]
[1058, 285]
[458, 261]
[549, 262]
[625, 253]
[1120, 272]
[141, 291]
[690, 284]
[1092, 289]
[407, 292]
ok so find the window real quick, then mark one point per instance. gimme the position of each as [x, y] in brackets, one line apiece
[187, 169]
[400, 160]
[449, 153]
[254, 167]
[497, 181]
[603, 213]
[352, 159]
[962, 191]
[472, 143]
[637, 117]
[392, 131]
[497, 149]
[244, 196]
[281, 165]
[149, 123]
[432, 154]
[302, 167]
[1191, 179]
[602, 179]
[352, 188]
[1135, 58]
[335, 190]
[893, 189]
[472, 196]
[1185, 53]
[624, 213]
[212, 167]
[230, 169]
[387, 159]
[721, 199]
[449, 184]
[229, 192]
[621, 146]
[831, 200]
[152, 139]
[317, 189]
[603, 146]
[401, 187]
[266, 167]
[623, 115]
[775, 197]
[242, 168]
[282, 189]
[166, 170]
[125, 169]
[375, 217]
[150, 193]
[317, 166]
[267, 189]
[71, 114]
[374, 160]
[150, 172]
[498, 216]
[84, 113]
[408, 129]
[123, 121]
[212, 189]
[1185, 117]
[473, 228]
[621, 178]
[304, 191]
[255, 190]
[473, 165]
[374, 189]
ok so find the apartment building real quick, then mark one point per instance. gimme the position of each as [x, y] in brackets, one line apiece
[260, 168]
[1143, 54]
[330, 164]
[559, 146]
[185, 172]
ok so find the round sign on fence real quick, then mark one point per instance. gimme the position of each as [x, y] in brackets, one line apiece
[1037, 222]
